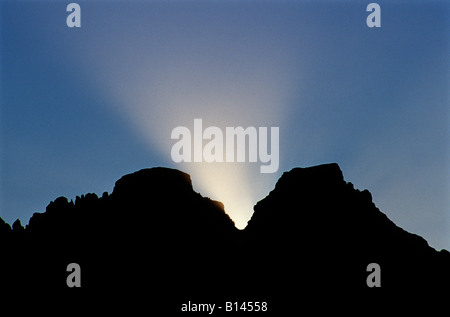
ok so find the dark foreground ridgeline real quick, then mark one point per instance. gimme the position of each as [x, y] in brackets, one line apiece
[154, 245]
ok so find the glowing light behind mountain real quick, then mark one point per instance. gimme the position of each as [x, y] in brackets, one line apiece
[82, 107]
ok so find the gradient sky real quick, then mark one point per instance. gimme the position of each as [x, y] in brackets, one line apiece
[80, 107]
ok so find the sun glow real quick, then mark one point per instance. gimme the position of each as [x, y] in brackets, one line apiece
[228, 183]
[238, 185]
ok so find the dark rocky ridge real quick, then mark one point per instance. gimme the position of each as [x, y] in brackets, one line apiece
[154, 240]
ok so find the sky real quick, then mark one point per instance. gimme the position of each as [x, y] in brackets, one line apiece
[81, 107]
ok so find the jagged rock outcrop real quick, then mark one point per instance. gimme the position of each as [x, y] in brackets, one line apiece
[320, 234]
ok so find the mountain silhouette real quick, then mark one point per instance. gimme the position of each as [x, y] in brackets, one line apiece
[154, 244]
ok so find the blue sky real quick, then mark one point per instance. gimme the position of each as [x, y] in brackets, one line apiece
[80, 107]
